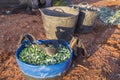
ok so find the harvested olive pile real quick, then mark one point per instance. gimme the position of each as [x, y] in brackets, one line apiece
[33, 54]
[109, 16]
[59, 3]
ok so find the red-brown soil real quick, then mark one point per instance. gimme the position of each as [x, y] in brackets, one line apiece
[103, 44]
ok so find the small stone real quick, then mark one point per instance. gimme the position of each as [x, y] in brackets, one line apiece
[28, 26]
[73, 65]
[8, 38]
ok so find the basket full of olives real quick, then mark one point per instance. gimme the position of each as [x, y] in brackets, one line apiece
[43, 58]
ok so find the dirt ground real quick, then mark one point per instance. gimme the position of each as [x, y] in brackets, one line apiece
[103, 44]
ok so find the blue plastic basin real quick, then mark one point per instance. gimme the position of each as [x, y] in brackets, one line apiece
[41, 71]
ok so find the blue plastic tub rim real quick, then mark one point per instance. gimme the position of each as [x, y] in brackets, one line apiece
[43, 71]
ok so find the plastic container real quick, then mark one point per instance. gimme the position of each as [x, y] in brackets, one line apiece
[48, 72]
[59, 22]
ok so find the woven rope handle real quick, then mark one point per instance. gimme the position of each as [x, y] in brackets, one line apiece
[83, 3]
[59, 9]
[27, 37]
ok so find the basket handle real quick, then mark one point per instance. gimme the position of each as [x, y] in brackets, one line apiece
[27, 37]
[59, 9]
[83, 3]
